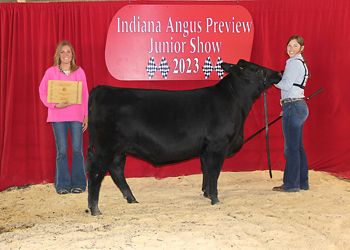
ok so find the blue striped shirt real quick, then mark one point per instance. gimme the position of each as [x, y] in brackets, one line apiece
[294, 72]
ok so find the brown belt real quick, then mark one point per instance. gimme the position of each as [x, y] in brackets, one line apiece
[291, 100]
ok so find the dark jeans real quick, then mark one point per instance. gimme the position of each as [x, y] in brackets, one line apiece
[63, 179]
[296, 172]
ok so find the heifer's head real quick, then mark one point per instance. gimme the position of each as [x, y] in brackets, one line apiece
[252, 76]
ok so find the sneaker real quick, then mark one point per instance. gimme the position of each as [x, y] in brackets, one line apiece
[77, 190]
[63, 191]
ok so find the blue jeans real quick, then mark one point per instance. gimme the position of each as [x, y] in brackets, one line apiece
[296, 172]
[63, 179]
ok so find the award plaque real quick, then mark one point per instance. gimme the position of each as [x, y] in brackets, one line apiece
[61, 91]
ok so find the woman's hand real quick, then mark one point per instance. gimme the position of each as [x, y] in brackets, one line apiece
[85, 123]
[62, 105]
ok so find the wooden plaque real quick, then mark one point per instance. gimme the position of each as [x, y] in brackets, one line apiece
[61, 91]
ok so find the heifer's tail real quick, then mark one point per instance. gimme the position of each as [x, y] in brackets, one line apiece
[90, 150]
[89, 155]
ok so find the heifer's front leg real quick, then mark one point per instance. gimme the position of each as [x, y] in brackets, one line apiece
[95, 178]
[116, 171]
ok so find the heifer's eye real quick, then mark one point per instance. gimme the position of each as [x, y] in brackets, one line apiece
[259, 71]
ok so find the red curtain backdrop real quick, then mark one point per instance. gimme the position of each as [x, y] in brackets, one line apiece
[30, 32]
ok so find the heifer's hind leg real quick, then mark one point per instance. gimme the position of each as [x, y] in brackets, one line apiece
[116, 171]
[96, 174]
[211, 167]
[205, 183]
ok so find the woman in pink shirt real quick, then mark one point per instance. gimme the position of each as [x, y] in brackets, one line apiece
[64, 116]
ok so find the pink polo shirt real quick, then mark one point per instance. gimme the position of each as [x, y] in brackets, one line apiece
[75, 112]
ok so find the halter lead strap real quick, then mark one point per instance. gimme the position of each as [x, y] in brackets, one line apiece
[267, 127]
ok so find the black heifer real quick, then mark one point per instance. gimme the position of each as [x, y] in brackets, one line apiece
[165, 127]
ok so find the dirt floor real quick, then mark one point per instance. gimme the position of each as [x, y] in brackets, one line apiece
[173, 214]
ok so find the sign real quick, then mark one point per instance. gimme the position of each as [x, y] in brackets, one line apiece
[61, 91]
[177, 42]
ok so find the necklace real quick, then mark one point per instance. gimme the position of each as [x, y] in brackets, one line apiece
[59, 66]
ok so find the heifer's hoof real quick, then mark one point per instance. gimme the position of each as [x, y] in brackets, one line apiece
[95, 212]
[131, 199]
[134, 201]
[215, 202]
[206, 195]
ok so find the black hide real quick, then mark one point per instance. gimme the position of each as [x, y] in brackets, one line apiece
[163, 127]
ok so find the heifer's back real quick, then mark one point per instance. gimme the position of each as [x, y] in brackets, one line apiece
[164, 127]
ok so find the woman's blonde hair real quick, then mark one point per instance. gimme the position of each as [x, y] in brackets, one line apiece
[57, 60]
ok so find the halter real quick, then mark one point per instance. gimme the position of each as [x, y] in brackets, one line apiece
[267, 126]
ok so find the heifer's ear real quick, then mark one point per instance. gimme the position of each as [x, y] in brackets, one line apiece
[229, 66]
[241, 62]
[226, 66]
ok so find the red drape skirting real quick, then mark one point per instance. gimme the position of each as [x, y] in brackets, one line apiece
[30, 32]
